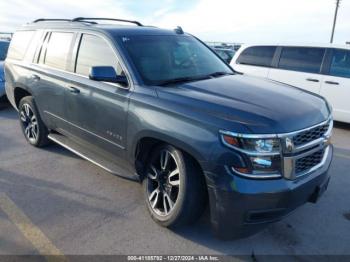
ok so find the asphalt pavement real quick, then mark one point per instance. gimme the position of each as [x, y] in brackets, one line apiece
[51, 199]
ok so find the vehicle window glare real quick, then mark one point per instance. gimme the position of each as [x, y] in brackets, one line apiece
[222, 54]
[58, 49]
[166, 57]
[257, 55]
[303, 59]
[33, 46]
[3, 49]
[340, 63]
[95, 51]
[19, 44]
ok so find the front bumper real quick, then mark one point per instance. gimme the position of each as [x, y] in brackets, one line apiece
[241, 206]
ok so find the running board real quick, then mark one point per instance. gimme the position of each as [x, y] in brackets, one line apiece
[91, 156]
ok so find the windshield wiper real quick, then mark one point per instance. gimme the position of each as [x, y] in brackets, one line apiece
[218, 74]
[191, 79]
[182, 80]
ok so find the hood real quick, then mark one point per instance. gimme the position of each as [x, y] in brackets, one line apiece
[262, 106]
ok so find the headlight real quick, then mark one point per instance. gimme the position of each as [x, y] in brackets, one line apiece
[253, 145]
[262, 154]
[261, 145]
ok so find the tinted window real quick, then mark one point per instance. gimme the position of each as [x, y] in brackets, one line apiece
[222, 54]
[3, 49]
[94, 51]
[340, 63]
[257, 55]
[302, 59]
[58, 49]
[19, 44]
[163, 58]
[225, 54]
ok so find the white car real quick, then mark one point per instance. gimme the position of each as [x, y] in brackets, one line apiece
[322, 69]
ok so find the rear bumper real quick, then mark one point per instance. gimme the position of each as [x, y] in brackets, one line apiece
[241, 207]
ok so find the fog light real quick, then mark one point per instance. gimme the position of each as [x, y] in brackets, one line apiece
[266, 163]
[261, 162]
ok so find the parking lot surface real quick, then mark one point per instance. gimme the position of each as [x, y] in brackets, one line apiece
[54, 201]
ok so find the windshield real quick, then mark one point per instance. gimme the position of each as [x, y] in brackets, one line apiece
[3, 50]
[161, 59]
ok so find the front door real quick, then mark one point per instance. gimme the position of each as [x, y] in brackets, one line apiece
[255, 61]
[97, 111]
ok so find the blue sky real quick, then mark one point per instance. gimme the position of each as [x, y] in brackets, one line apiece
[212, 20]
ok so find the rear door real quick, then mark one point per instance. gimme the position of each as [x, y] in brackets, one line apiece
[50, 76]
[300, 67]
[96, 110]
[254, 60]
[336, 85]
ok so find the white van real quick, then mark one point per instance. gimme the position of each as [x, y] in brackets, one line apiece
[323, 70]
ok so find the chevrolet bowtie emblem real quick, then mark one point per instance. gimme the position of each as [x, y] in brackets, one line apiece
[289, 144]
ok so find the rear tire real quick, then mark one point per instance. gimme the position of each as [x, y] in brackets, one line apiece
[174, 187]
[34, 129]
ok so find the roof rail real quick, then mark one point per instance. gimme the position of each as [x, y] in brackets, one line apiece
[81, 19]
[50, 19]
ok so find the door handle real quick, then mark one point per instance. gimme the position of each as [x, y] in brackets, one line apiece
[331, 83]
[73, 89]
[312, 80]
[35, 77]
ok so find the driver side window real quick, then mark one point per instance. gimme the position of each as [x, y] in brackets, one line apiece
[95, 51]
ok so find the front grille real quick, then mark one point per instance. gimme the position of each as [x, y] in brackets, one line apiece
[310, 135]
[307, 162]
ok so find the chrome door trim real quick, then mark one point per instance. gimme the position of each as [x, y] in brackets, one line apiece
[85, 130]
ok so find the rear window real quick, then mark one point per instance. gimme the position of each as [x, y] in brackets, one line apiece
[303, 59]
[19, 44]
[340, 63]
[257, 55]
[58, 49]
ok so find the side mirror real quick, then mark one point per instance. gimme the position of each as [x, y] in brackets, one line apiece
[107, 74]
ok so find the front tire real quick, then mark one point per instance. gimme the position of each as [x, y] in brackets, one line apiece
[174, 187]
[32, 126]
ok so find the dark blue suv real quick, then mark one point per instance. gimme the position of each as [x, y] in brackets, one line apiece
[160, 107]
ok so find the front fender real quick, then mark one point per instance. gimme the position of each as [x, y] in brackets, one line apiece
[149, 121]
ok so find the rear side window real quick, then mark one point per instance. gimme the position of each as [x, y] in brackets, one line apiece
[340, 63]
[303, 59]
[58, 49]
[257, 55]
[95, 51]
[19, 44]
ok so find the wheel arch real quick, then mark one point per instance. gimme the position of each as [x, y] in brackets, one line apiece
[144, 145]
[18, 93]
